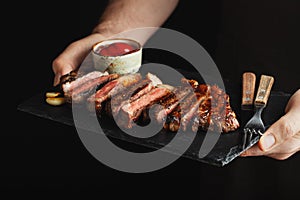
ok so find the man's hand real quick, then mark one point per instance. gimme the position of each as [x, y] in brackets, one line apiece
[282, 139]
[118, 16]
[73, 55]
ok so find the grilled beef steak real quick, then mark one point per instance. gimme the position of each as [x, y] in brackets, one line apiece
[130, 98]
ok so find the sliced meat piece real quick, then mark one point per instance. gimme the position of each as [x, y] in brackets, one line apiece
[170, 102]
[124, 82]
[102, 94]
[110, 89]
[144, 101]
[210, 112]
[230, 123]
[132, 93]
[215, 113]
[130, 112]
[185, 113]
[119, 100]
[172, 122]
[187, 117]
[154, 82]
[85, 89]
[68, 86]
[175, 117]
[202, 117]
[218, 108]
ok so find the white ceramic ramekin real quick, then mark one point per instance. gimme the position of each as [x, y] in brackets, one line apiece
[123, 64]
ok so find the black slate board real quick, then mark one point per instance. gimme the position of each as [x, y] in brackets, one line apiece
[225, 150]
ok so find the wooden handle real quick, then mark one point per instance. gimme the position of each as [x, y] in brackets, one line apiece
[264, 89]
[249, 80]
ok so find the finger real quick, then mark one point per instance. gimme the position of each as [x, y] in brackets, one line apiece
[253, 151]
[280, 131]
[281, 156]
[289, 146]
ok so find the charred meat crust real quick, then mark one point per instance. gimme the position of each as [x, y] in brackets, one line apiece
[69, 77]
[211, 111]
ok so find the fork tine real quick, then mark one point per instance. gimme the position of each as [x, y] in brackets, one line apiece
[254, 131]
[260, 133]
[248, 134]
[247, 137]
[244, 142]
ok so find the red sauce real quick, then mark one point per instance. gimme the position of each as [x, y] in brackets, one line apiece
[117, 49]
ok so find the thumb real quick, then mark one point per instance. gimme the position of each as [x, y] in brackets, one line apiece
[276, 134]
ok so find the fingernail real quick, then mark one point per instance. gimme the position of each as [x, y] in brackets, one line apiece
[268, 141]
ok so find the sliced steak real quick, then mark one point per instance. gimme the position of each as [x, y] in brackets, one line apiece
[154, 81]
[215, 113]
[130, 112]
[170, 102]
[186, 111]
[131, 99]
[74, 80]
[82, 91]
[172, 122]
[111, 89]
[132, 93]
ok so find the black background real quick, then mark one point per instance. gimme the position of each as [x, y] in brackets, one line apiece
[43, 155]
